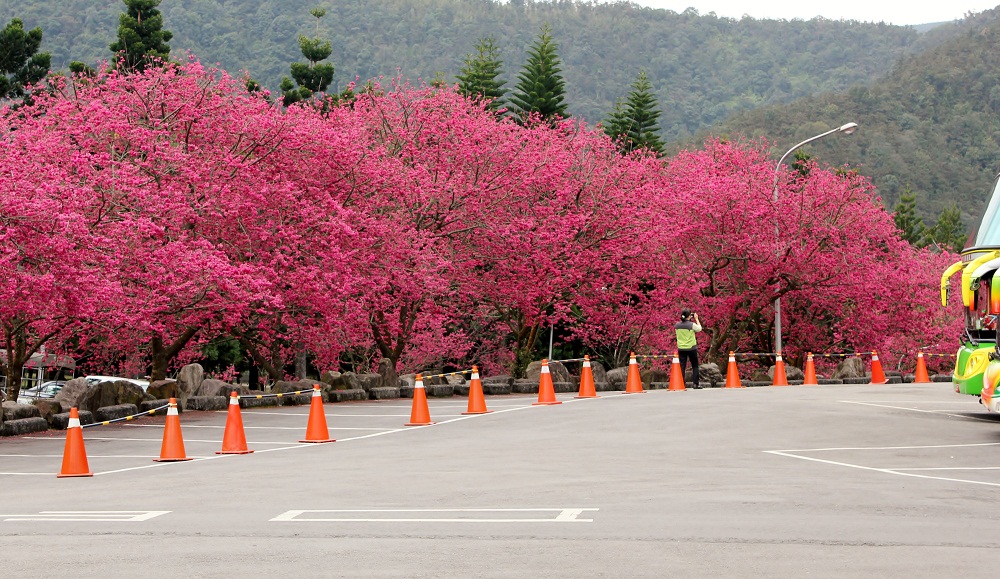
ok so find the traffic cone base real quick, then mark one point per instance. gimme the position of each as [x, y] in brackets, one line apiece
[587, 387]
[234, 441]
[74, 462]
[172, 449]
[633, 382]
[477, 402]
[420, 414]
[316, 430]
[546, 391]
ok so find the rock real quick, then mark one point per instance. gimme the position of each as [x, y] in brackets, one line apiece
[651, 375]
[305, 388]
[47, 407]
[328, 377]
[494, 388]
[15, 411]
[253, 402]
[791, 373]
[603, 387]
[861, 380]
[207, 402]
[146, 405]
[387, 370]
[19, 426]
[344, 395]
[116, 411]
[163, 389]
[941, 378]
[525, 386]
[189, 380]
[369, 381]
[347, 381]
[498, 379]
[853, 367]
[407, 380]
[617, 377]
[72, 392]
[213, 387]
[61, 420]
[826, 381]
[600, 374]
[383, 393]
[112, 394]
[710, 373]
[454, 379]
[440, 390]
[565, 387]
[557, 369]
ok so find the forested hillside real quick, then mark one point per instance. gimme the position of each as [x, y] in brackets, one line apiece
[703, 68]
[932, 125]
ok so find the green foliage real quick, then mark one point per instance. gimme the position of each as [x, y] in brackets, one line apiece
[949, 232]
[634, 124]
[141, 38]
[313, 77]
[20, 62]
[540, 88]
[911, 228]
[480, 74]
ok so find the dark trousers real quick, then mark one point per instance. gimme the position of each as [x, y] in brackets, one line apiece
[692, 355]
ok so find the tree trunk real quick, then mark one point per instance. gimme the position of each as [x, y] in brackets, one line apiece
[254, 377]
[300, 364]
[161, 355]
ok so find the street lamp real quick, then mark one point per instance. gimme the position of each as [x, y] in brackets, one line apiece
[847, 130]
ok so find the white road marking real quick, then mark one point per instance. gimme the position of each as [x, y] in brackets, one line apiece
[87, 516]
[245, 427]
[938, 412]
[565, 515]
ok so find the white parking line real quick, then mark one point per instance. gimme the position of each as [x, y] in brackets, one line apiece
[245, 427]
[565, 515]
[938, 412]
[87, 516]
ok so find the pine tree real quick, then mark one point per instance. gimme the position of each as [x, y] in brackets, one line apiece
[540, 89]
[20, 62]
[949, 232]
[633, 124]
[313, 77]
[479, 77]
[141, 38]
[911, 228]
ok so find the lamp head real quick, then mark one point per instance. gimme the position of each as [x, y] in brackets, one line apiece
[848, 128]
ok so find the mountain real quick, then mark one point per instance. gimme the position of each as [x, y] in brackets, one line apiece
[704, 68]
[931, 125]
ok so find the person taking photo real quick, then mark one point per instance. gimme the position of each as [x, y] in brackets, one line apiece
[687, 343]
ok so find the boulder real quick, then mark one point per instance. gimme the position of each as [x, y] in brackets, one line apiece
[15, 411]
[282, 386]
[61, 420]
[328, 377]
[369, 381]
[525, 386]
[853, 367]
[213, 387]
[711, 374]
[383, 393]
[253, 402]
[493, 388]
[454, 379]
[600, 374]
[407, 381]
[347, 381]
[146, 405]
[344, 395]
[498, 379]
[557, 369]
[115, 411]
[72, 392]
[112, 394]
[652, 375]
[163, 389]
[617, 378]
[791, 373]
[207, 402]
[189, 380]
[387, 370]
[20, 426]
[47, 407]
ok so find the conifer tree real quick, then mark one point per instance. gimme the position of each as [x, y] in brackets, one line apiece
[540, 88]
[480, 74]
[949, 233]
[633, 124]
[313, 77]
[911, 228]
[20, 62]
[141, 37]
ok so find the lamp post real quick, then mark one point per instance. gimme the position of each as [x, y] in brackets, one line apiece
[847, 130]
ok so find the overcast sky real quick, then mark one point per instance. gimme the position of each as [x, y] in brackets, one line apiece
[892, 11]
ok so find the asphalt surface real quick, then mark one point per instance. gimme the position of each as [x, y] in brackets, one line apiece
[828, 481]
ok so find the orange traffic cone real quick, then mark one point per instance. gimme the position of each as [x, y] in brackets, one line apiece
[234, 441]
[587, 388]
[779, 372]
[810, 373]
[676, 377]
[546, 391]
[316, 430]
[633, 384]
[878, 376]
[733, 373]
[921, 377]
[74, 455]
[477, 402]
[172, 449]
[420, 414]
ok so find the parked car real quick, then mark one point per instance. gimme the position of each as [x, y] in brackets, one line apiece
[45, 390]
[98, 379]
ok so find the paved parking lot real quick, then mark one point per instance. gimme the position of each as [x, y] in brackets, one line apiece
[829, 481]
